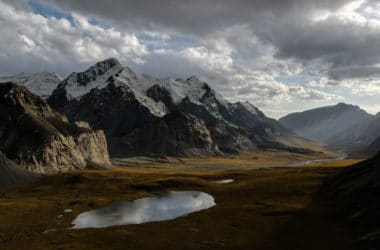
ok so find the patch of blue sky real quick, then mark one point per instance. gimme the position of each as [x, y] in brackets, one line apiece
[299, 79]
[172, 42]
[49, 11]
[100, 24]
[151, 42]
[249, 54]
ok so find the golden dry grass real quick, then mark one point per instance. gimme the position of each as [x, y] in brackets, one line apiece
[275, 208]
[266, 158]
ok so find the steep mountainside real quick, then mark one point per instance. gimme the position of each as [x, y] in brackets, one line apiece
[356, 190]
[361, 138]
[41, 84]
[114, 98]
[373, 148]
[176, 133]
[43, 141]
[11, 174]
[324, 124]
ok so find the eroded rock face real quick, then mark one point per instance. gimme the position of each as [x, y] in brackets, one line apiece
[176, 134]
[113, 109]
[43, 141]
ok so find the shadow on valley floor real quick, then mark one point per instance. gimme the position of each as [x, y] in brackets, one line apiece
[315, 226]
[277, 208]
[355, 191]
[343, 212]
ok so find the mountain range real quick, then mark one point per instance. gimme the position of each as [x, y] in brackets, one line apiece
[49, 125]
[133, 109]
[340, 127]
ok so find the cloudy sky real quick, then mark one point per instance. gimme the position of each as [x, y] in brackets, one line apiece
[281, 55]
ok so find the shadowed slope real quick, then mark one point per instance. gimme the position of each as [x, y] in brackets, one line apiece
[12, 175]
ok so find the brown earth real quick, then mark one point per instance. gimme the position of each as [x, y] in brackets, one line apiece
[275, 208]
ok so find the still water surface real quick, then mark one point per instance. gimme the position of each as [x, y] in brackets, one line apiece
[164, 206]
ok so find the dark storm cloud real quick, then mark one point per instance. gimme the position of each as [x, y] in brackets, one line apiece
[349, 50]
[196, 16]
[276, 53]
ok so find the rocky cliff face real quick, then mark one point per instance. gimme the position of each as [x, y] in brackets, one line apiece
[175, 134]
[43, 141]
[113, 108]
[117, 100]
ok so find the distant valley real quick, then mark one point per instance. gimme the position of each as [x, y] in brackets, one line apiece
[176, 116]
[110, 110]
[97, 140]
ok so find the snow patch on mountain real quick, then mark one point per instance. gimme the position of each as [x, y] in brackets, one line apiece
[179, 89]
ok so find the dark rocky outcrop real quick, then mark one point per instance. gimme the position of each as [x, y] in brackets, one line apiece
[229, 138]
[235, 127]
[113, 109]
[43, 141]
[175, 134]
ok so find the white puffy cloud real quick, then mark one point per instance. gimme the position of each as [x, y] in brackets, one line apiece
[313, 94]
[32, 42]
[242, 48]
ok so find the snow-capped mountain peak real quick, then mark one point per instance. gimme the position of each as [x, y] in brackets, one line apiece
[96, 76]
[116, 99]
[191, 89]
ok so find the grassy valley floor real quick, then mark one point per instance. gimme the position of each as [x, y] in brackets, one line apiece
[265, 208]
